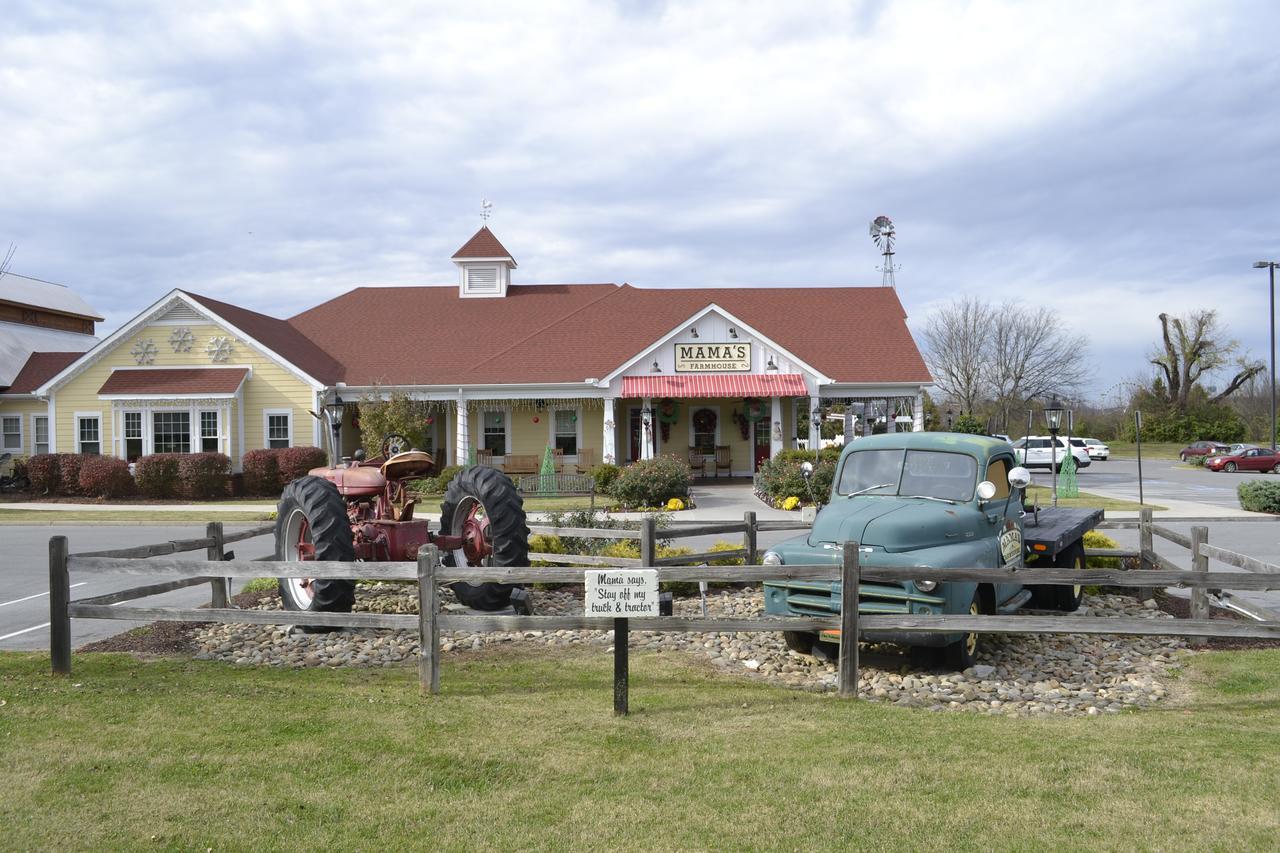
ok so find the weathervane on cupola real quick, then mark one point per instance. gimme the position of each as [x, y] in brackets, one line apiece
[486, 210]
[884, 234]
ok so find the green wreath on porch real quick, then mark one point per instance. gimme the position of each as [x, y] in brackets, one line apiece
[668, 410]
[755, 409]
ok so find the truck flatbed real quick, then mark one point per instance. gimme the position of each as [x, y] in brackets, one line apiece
[1050, 530]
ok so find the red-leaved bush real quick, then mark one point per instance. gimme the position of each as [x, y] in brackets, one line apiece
[157, 475]
[69, 472]
[105, 477]
[45, 476]
[295, 462]
[261, 472]
[203, 475]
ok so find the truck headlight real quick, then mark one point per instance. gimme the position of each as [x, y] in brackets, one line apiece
[771, 558]
[926, 586]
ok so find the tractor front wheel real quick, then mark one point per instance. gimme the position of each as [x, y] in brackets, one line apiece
[312, 524]
[481, 505]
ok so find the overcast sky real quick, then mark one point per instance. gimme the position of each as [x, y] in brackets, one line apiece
[1110, 159]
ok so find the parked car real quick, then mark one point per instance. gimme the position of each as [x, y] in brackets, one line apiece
[1247, 459]
[1097, 450]
[1036, 451]
[1238, 448]
[1002, 437]
[1201, 448]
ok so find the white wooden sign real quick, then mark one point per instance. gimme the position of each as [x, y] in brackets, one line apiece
[621, 593]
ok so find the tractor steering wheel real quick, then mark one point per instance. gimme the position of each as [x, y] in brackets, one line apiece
[393, 444]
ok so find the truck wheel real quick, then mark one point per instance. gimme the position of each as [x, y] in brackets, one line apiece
[1067, 598]
[962, 654]
[799, 641]
[482, 506]
[312, 524]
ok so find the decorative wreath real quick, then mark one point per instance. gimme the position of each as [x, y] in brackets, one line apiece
[668, 410]
[754, 409]
[704, 420]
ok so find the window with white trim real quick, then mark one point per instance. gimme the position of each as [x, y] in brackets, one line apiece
[171, 432]
[40, 428]
[209, 432]
[89, 434]
[494, 438]
[132, 436]
[278, 428]
[11, 432]
[566, 431]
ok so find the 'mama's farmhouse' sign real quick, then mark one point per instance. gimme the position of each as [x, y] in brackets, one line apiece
[711, 358]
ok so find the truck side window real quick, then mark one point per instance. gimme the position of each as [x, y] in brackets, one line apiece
[998, 473]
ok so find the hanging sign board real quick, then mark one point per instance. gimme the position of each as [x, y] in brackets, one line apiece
[621, 593]
[712, 358]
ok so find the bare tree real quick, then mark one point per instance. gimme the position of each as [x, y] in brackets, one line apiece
[1193, 346]
[8, 258]
[956, 338]
[1032, 356]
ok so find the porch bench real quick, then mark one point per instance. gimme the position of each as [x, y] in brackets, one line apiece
[521, 463]
[558, 486]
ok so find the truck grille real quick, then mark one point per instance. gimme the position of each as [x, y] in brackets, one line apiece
[822, 598]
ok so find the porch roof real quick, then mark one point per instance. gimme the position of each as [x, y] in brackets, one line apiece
[716, 385]
[177, 380]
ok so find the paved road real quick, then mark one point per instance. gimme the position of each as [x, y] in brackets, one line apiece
[24, 577]
[1161, 479]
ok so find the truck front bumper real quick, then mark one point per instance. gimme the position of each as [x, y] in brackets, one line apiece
[823, 598]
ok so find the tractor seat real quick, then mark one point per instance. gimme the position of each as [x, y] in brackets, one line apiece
[411, 463]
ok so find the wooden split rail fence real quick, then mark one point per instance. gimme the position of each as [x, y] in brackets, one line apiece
[429, 573]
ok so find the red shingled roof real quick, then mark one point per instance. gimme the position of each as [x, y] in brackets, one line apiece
[39, 369]
[483, 244]
[279, 336]
[175, 380]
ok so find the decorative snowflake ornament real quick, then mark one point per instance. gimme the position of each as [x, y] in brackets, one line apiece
[182, 339]
[144, 351]
[220, 349]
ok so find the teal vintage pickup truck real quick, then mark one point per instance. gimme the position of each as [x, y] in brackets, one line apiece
[932, 500]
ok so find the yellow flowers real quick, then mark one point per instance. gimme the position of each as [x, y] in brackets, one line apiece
[787, 503]
[675, 505]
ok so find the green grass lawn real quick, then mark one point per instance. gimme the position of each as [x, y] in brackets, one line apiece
[1043, 495]
[1150, 450]
[521, 752]
[141, 516]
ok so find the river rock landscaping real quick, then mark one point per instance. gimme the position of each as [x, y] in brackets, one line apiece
[1018, 675]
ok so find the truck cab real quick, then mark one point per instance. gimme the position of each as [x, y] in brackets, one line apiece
[922, 499]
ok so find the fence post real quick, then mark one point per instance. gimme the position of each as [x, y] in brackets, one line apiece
[219, 596]
[848, 665]
[59, 598]
[428, 625]
[1199, 595]
[622, 627]
[749, 537]
[1145, 547]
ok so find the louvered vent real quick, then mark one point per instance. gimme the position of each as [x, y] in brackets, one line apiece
[181, 313]
[482, 280]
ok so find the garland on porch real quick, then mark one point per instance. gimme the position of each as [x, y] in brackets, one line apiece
[744, 425]
[668, 413]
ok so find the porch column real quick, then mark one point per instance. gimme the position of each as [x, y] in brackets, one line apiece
[447, 448]
[775, 432]
[815, 432]
[917, 415]
[462, 440]
[647, 427]
[609, 447]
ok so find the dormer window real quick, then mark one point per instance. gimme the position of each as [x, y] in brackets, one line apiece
[485, 266]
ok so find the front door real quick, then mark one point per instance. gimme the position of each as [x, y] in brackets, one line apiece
[762, 442]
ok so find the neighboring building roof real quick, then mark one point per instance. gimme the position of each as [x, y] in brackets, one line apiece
[175, 380]
[39, 368]
[483, 244]
[19, 341]
[24, 290]
[569, 333]
[279, 336]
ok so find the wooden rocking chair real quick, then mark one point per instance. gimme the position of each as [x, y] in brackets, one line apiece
[697, 462]
[724, 460]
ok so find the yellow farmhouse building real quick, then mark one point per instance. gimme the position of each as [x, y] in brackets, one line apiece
[598, 372]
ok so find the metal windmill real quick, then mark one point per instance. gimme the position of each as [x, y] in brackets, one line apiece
[884, 235]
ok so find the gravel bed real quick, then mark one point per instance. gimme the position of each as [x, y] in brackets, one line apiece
[1017, 674]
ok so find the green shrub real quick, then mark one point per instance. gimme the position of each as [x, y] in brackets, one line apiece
[969, 424]
[728, 561]
[445, 477]
[1094, 539]
[604, 475]
[157, 475]
[105, 477]
[1197, 461]
[1259, 496]
[262, 585]
[781, 477]
[546, 544]
[652, 482]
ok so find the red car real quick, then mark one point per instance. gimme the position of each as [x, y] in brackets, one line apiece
[1249, 459]
[1202, 448]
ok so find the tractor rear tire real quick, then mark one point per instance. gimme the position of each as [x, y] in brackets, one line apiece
[315, 501]
[487, 490]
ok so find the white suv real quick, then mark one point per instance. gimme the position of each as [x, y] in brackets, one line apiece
[1036, 451]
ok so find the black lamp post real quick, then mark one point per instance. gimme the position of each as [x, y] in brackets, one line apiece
[815, 418]
[335, 410]
[949, 414]
[1271, 266]
[1053, 420]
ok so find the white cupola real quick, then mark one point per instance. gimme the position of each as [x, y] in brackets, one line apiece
[484, 265]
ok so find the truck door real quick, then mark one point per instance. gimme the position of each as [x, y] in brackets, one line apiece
[1005, 515]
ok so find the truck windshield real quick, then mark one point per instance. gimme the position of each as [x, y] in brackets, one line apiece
[928, 473]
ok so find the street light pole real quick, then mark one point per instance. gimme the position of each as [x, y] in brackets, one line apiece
[1271, 266]
[1053, 420]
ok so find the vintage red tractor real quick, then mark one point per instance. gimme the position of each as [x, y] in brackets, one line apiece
[362, 510]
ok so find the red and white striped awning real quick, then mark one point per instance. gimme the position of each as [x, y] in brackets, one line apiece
[716, 385]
